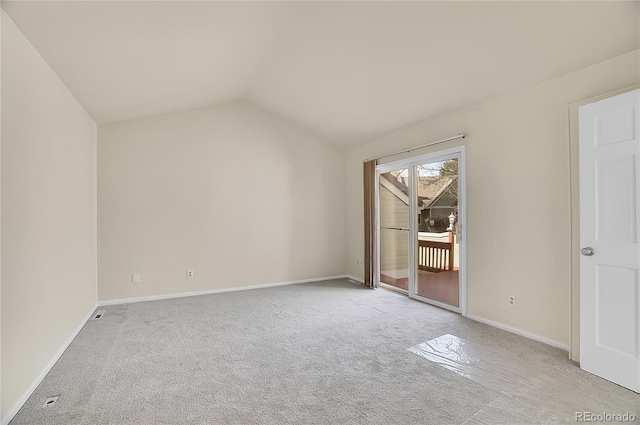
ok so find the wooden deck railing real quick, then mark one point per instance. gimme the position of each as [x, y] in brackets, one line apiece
[435, 256]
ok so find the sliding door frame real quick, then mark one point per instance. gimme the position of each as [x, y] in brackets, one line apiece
[411, 164]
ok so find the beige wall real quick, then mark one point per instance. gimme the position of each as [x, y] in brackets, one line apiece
[518, 164]
[48, 215]
[180, 191]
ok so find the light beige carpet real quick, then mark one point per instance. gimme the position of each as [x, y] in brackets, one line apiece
[319, 353]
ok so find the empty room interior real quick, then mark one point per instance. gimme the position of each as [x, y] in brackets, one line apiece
[239, 212]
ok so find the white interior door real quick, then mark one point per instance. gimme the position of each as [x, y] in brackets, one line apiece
[610, 260]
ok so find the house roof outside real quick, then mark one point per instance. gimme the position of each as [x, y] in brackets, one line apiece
[430, 188]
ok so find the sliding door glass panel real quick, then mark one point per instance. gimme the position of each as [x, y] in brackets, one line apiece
[394, 228]
[438, 255]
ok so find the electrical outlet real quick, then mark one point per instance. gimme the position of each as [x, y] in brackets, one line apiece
[189, 274]
[512, 300]
[135, 277]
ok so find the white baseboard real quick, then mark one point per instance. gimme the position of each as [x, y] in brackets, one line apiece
[213, 291]
[519, 332]
[27, 393]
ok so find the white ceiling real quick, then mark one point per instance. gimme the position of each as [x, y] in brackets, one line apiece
[346, 70]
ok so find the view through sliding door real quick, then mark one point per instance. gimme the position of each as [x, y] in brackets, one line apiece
[420, 220]
[438, 247]
[393, 207]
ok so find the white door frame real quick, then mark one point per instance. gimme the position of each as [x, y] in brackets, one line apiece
[574, 190]
[458, 153]
[611, 354]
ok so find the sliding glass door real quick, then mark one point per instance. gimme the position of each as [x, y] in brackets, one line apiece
[393, 202]
[438, 247]
[420, 220]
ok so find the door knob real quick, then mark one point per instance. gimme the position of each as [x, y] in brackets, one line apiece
[588, 251]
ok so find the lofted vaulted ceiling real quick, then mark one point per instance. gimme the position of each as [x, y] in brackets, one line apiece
[348, 71]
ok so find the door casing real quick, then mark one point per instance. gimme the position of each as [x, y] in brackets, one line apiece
[574, 193]
[610, 354]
